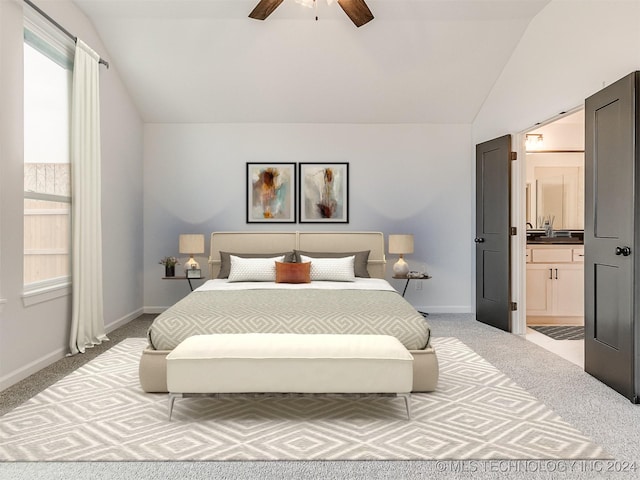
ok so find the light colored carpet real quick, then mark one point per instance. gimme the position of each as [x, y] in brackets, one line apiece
[99, 412]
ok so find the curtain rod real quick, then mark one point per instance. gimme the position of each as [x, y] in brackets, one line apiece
[59, 27]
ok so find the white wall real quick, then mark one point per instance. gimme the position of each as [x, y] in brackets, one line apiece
[570, 50]
[32, 337]
[403, 179]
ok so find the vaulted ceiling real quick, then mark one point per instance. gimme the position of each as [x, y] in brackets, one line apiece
[418, 61]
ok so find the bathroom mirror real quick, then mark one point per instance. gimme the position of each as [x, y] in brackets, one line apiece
[557, 179]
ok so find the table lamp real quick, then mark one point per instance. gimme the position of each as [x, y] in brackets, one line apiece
[401, 244]
[191, 244]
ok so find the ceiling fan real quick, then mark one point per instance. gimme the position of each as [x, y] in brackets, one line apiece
[356, 10]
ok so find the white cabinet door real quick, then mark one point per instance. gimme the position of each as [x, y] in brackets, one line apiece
[568, 290]
[539, 293]
[555, 289]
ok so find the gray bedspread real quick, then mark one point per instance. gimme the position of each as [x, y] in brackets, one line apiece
[290, 311]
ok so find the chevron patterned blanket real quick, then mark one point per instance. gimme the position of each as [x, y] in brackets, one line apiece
[304, 311]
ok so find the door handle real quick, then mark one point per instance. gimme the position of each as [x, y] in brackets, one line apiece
[556, 273]
[551, 274]
[479, 240]
[624, 251]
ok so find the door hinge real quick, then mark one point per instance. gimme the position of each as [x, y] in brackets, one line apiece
[513, 155]
[513, 230]
[513, 306]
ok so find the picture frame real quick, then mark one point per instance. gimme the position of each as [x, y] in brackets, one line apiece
[193, 273]
[271, 192]
[324, 192]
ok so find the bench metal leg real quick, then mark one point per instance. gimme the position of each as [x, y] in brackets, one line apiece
[172, 399]
[407, 402]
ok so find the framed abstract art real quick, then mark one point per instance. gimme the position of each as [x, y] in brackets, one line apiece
[324, 192]
[271, 192]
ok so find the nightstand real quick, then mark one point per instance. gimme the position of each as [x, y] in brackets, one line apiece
[183, 277]
[423, 276]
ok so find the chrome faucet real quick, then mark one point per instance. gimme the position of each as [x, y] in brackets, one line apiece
[548, 226]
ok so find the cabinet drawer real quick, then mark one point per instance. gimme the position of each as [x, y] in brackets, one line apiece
[551, 255]
[578, 254]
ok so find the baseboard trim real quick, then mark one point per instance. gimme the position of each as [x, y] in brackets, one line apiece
[547, 320]
[21, 373]
[443, 309]
[123, 320]
[154, 309]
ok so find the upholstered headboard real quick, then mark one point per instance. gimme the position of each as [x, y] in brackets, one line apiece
[275, 242]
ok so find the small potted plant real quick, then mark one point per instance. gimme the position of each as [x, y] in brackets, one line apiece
[169, 266]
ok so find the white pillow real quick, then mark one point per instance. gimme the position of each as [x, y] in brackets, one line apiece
[253, 269]
[332, 269]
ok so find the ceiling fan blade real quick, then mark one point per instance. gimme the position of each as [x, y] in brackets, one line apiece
[357, 10]
[264, 9]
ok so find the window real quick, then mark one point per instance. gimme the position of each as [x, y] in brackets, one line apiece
[47, 180]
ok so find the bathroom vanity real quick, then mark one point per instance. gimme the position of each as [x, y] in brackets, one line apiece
[555, 281]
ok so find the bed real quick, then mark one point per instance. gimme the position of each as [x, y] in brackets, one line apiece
[362, 306]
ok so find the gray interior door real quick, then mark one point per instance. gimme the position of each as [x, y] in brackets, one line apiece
[610, 248]
[493, 199]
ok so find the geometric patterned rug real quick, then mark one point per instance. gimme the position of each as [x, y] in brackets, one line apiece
[560, 332]
[99, 412]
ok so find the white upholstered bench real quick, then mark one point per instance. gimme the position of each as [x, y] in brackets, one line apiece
[289, 363]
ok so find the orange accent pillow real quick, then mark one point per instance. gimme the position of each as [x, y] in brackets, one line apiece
[293, 272]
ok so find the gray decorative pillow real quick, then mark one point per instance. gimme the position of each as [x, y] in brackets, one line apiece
[360, 264]
[225, 261]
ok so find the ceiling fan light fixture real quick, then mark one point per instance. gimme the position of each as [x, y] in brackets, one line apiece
[357, 10]
[311, 3]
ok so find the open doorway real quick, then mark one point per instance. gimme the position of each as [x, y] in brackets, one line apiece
[553, 199]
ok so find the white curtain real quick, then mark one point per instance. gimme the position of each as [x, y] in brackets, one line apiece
[87, 321]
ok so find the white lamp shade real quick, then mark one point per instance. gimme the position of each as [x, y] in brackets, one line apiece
[401, 244]
[191, 244]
